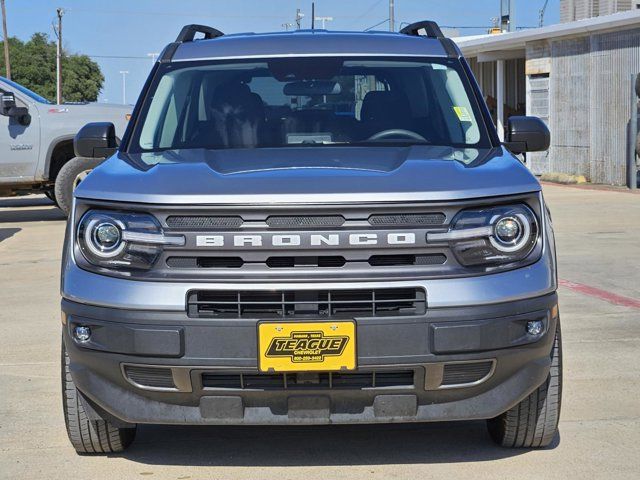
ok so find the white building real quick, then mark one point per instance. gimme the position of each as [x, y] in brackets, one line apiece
[577, 77]
[572, 10]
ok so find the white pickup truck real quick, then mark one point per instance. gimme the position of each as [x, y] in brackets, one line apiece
[36, 142]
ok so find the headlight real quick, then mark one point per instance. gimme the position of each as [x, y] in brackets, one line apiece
[121, 240]
[491, 236]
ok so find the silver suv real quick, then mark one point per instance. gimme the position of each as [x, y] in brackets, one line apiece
[308, 228]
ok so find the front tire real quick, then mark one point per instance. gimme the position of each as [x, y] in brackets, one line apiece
[533, 423]
[86, 435]
[69, 177]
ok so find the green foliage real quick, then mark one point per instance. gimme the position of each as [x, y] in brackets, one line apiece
[33, 64]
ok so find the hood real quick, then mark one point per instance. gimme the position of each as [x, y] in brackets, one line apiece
[308, 175]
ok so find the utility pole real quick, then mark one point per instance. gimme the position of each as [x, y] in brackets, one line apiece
[59, 12]
[323, 20]
[392, 16]
[299, 16]
[506, 12]
[124, 74]
[7, 64]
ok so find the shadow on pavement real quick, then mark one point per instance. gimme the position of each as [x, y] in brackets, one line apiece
[8, 233]
[458, 442]
[13, 209]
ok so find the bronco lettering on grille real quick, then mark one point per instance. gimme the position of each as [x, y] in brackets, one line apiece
[308, 240]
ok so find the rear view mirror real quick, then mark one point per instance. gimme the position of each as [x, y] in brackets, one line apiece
[95, 140]
[311, 88]
[527, 134]
[8, 108]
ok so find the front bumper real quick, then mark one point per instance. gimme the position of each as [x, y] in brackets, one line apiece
[190, 347]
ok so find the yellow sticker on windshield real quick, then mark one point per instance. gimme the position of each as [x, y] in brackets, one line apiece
[462, 113]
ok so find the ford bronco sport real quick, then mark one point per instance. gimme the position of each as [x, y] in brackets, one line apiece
[310, 227]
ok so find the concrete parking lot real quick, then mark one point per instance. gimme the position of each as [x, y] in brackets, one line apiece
[598, 234]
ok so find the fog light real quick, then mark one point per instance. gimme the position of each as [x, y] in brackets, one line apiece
[82, 334]
[535, 327]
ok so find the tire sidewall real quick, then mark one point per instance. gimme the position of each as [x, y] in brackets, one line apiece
[66, 177]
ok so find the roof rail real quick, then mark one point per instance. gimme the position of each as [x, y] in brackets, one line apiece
[188, 33]
[431, 28]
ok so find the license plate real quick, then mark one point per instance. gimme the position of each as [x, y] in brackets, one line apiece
[306, 346]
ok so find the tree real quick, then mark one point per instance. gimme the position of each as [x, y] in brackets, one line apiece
[33, 64]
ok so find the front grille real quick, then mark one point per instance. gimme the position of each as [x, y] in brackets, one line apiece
[320, 262]
[325, 261]
[314, 303]
[308, 381]
[154, 377]
[405, 220]
[401, 260]
[465, 373]
[205, 262]
[203, 222]
[314, 221]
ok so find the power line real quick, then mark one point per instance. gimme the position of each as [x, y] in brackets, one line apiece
[367, 11]
[130, 57]
[187, 14]
[376, 25]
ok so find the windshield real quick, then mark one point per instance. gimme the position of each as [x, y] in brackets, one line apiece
[309, 102]
[26, 91]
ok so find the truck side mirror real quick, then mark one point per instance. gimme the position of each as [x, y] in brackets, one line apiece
[8, 108]
[8, 102]
[95, 140]
[527, 134]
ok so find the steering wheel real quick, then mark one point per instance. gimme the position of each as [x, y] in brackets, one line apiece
[397, 132]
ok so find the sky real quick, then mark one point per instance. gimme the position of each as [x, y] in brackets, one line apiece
[120, 34]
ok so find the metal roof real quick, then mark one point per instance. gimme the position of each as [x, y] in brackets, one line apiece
[309, 43]
[471, 46]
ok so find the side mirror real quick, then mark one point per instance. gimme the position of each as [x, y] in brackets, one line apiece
[527, 134]
[8, 108]
[95, 140]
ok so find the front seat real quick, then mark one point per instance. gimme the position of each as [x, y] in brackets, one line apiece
[238, 115]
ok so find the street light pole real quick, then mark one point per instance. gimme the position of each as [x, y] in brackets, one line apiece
[392, 16]
[124, 74]
[299, 16]
[323, 20]
[153, 57]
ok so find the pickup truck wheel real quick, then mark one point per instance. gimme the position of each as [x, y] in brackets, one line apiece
[69, 177]
[533, 422]
[86, 435]
[51, 195]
